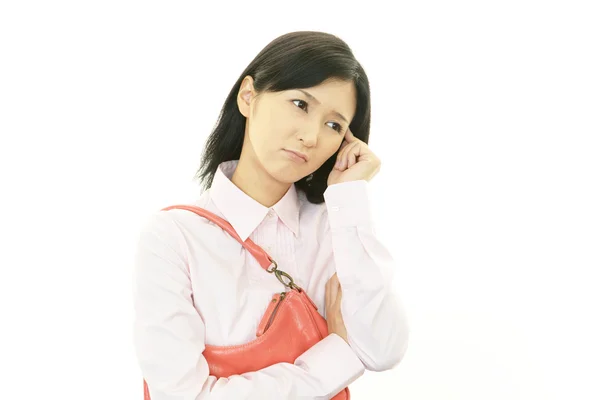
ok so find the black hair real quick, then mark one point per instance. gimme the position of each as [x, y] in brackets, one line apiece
[294, 60]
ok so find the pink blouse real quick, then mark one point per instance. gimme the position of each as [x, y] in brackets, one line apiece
[195, 285]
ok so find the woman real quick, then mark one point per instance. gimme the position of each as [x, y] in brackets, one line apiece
[287, 166]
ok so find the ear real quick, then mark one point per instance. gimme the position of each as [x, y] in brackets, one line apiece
[245, 95]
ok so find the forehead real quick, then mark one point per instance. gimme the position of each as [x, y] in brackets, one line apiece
[334, 90]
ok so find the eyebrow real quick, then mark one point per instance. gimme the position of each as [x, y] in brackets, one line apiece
[318, 102]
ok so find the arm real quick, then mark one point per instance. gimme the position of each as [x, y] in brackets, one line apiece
[374, 317]
[169, 336]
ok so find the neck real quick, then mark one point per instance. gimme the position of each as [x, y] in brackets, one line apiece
[254, 180]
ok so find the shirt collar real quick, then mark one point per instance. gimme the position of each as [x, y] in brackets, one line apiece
[243, 212]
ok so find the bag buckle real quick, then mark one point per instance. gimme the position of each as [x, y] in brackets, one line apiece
[282, 274]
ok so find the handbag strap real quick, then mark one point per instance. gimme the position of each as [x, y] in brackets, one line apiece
[263, 258]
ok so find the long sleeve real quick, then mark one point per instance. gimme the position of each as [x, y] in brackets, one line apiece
[169, 336]
[373, 314]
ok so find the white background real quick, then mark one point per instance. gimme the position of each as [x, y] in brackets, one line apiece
[486, 116]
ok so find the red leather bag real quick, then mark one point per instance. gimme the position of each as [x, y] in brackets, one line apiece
[290, 325]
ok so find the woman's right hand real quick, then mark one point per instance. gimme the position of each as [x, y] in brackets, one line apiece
[333, 311]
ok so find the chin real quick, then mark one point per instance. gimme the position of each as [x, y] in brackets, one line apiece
[287, 177]
[285, 173]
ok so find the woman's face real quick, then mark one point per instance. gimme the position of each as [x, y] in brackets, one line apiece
[279, 123]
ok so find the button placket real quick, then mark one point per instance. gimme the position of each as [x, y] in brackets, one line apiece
[271, 230]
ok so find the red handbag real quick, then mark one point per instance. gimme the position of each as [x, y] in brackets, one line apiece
[290, 326]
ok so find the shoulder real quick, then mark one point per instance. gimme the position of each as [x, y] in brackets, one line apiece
[177, 223]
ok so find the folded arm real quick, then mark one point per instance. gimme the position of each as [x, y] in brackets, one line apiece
[169, 336]
[373, 314]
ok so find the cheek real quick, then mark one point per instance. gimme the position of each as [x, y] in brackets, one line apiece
[328, 149]
[276, 131]
[261, 136]
[334, 146]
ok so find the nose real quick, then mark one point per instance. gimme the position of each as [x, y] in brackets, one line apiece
[309, 135]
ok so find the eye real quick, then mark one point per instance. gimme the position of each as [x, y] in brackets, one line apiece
[337, 129]
[301, 101]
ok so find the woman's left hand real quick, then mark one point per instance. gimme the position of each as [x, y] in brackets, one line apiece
[355, 161]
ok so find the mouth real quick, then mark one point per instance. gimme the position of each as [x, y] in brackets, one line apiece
[296, 156]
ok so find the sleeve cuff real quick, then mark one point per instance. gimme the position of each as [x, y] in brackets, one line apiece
[333, 362]
[348, 204]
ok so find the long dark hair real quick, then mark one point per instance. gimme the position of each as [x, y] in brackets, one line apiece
[294, 60]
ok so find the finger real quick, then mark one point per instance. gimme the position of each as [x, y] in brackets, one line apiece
[353, 155]
[342, 147]
[338, 298]
[339, 153]
[339, 295]
[349, 136]
[334, 279]
[334, 292]
[330, 285]
[344, 155]
[360, 152]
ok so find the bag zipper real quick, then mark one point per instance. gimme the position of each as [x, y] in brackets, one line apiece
[281, 297]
